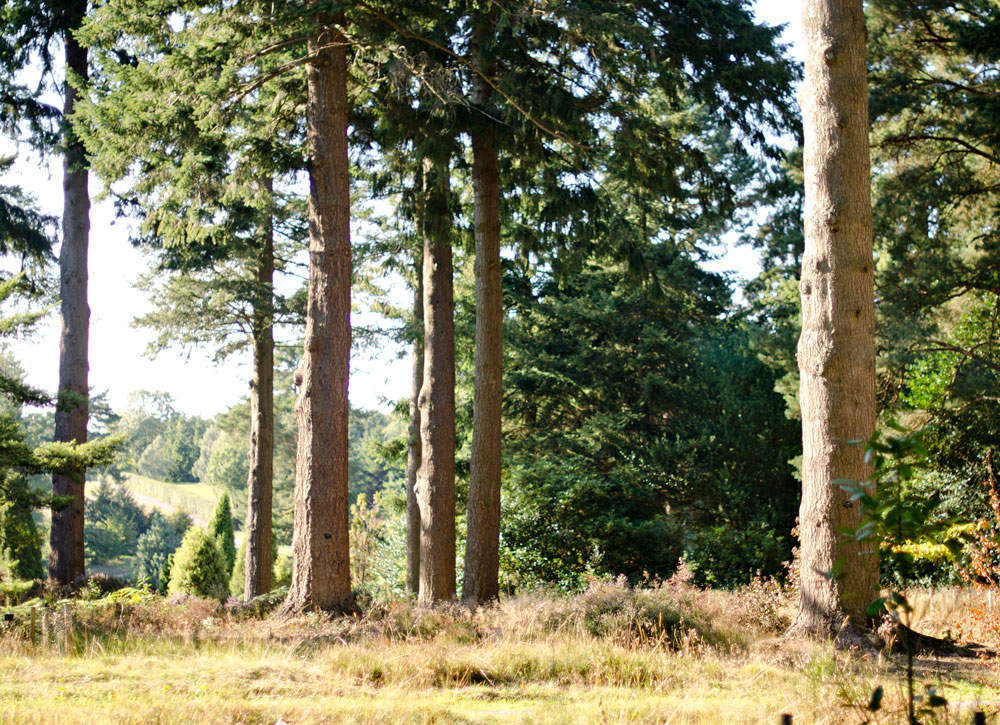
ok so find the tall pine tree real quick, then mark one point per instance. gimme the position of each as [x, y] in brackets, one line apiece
[31, 32]
[836, 349]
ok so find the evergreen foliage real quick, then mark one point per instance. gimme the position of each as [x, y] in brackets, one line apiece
[154, 547]
[20, 539]
[23, 229]
[635, 419]
[934, 98]
[165, 572]
[280, 577]
[220, 528]
[198, 567]
[641, 419]
[160, 442]
[238, 573]
[114, 523]
[935, 76]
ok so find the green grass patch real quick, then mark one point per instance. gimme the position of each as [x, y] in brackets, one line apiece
[197, 499]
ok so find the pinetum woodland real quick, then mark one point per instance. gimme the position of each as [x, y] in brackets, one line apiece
[548, 179]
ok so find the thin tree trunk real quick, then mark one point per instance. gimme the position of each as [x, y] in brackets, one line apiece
[481, 582]
[66, 558]
[413, 448]
[260, 479]
[837, 345]
[321, 577]
[436, 480]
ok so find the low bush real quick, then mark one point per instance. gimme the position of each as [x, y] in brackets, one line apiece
[727, 556]
[198, 567]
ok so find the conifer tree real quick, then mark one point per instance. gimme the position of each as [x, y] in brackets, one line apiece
[26, 233]
[152, 550]
[414, 443]
[216, 209]
[30, 31]
[197, 567]
[413, 110]
[436, 478]
[18, 535]
[481, 583]
[220, 528]
[934, 76]
[836, 349]
[321, 575]
[516, 85]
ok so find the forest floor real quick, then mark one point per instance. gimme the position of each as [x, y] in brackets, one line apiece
[614, 654]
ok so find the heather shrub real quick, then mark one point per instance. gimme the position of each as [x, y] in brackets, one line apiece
[663, 614]
[758, 605]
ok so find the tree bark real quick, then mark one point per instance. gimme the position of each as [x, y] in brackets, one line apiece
[321, 576]
[436, 480]
[413, 447]
[836, 349]
[481, 580]
[260, 479]
[66, 558]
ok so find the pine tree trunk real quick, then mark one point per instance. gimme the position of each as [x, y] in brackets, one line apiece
[321, 576]
[436, 480]
[481, 582]
[66, 558]
[837, 345]
[260, 480]
[413, 447]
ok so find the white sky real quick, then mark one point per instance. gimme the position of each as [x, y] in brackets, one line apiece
[118, 362]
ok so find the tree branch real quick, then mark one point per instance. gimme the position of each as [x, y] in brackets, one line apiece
[472, 67]
[942, 346]
[901, 140]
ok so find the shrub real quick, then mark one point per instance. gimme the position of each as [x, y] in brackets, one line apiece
[198, 567]
[165, 572]
[152, 550]
[114, 522]
[281, 571]
[562, 519]
[100, 585]
[758, 605]
[728, 556]
[20, 539]
[239, 572]
[220, 528]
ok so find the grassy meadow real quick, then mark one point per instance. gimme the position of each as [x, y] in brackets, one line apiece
[664, 653]
[198, 499]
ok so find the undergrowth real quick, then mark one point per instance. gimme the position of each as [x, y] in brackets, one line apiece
[652, 653]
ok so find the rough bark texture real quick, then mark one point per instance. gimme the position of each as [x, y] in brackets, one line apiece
[413, 447]
[436, 479]
[481, 582]
[836, 350]
[66, 561]
[260, 480]
[321, 551]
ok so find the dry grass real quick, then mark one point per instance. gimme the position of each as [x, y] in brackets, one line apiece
[667, 653]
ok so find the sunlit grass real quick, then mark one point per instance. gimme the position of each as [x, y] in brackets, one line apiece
[535, 659]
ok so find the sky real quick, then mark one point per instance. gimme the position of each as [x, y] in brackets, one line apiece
[119, 363]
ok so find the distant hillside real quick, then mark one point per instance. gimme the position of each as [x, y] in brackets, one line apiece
[197, 499]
